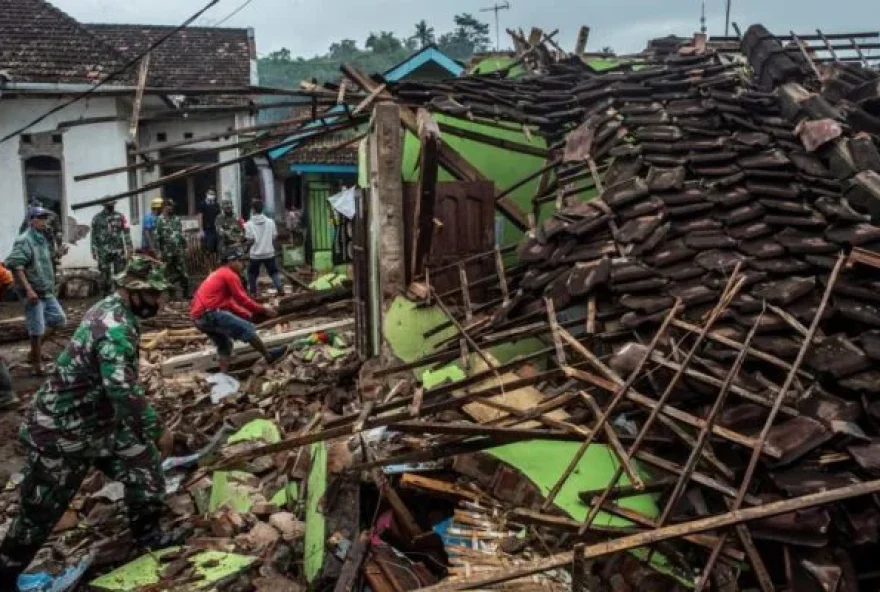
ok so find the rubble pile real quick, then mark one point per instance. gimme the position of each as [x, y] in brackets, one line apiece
[711, 316]
[672, 387]
[245, 526]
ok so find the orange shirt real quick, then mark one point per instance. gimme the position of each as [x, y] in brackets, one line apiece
[6, 279]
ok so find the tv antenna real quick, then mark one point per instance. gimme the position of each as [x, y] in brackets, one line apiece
[703, 19]
[496, 9]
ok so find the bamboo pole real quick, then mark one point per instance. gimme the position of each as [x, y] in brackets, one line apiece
[768, 424]
[672, 532]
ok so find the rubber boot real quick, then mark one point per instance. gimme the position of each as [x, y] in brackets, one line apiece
[14, 559]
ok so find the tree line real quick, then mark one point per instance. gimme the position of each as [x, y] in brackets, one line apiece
[381, 51]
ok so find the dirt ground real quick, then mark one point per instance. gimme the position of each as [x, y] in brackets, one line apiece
[15, 354]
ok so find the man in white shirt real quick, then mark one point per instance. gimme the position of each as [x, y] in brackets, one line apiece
[261, 232]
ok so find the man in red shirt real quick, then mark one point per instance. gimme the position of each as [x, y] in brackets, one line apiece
[221, 309]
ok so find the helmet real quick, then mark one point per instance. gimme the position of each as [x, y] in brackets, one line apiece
[143, 273]
[38, 211]
[234, 254]
[156, 203]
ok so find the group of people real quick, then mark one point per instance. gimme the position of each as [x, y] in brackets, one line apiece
[92, 411]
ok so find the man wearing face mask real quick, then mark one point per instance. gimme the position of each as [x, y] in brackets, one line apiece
[230, 228]
[209, 209]
[92, 412]
[111, 243]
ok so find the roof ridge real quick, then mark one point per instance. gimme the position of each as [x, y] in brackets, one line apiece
[152, 26]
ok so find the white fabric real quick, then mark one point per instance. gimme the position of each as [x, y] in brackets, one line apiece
[262, 231]
[343, 203]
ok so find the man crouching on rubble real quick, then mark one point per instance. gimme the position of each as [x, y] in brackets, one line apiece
[92, 412]
[221, 309]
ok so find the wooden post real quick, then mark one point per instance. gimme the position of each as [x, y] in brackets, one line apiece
[423, 209]
[386, 178]
[581, 45]
[138, 100]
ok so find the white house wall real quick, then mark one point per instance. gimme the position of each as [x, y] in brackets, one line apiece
[86, 148]
[175, 131]
[94, 147]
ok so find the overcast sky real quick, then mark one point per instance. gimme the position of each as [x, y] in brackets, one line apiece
[307, 27]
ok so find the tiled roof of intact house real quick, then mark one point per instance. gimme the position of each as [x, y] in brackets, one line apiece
[192, 57]
[39, 43]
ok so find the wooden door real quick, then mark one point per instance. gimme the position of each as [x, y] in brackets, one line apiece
[464, 215]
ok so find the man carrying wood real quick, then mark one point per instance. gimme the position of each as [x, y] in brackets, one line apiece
[111, 243]
[31, 262]
[92, 412]
[221, 309]
[171, 245]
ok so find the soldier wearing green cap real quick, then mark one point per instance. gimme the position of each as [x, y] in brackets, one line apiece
[92, 412]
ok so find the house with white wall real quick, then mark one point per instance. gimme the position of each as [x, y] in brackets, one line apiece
[196, 87]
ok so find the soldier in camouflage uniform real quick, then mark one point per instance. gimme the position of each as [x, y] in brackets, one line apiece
[111, 243]
[229, 229]
[92, 412]
[171, 246]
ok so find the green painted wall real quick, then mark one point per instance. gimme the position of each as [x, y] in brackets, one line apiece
[502, 166]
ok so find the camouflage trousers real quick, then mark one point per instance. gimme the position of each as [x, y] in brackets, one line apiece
[51, 482]
[176, 271]
[110, 264]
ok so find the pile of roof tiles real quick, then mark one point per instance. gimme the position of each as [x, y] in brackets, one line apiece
[710, 171]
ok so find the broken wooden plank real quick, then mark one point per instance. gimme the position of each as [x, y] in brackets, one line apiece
[207, 359]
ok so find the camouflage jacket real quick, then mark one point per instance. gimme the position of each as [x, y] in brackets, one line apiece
[229, 231]
[111, 234]
[93, 396]
[169, 239]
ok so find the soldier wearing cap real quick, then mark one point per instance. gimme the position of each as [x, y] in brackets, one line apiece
[111, 243]
[31, 262]
[221, 309]
[92, 412]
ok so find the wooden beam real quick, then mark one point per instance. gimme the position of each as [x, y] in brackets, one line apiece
[672, 532]
[138, 101]
[351, 569]
[518, 147]
[580, 45]
[424, 208]
[199, 169]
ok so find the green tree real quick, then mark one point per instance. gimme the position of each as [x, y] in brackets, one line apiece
[424, 34]
[607, 50]
[470, 36]
[383, 42]
[344, 50]
[282, 55]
